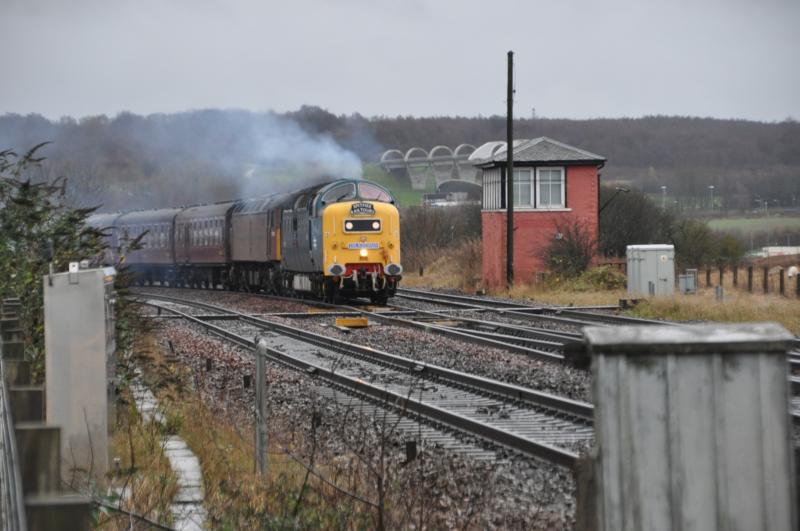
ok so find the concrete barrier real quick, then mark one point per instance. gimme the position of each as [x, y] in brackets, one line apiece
[692, 427]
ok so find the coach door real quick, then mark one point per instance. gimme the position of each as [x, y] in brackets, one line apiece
[186, 241]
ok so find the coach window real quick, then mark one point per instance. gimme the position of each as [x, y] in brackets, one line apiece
[550, 187]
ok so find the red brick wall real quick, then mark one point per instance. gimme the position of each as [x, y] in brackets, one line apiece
[535, 229]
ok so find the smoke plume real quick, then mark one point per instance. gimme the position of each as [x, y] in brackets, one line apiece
[131, 162]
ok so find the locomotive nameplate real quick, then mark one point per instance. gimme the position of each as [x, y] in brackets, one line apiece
[362, 209]
[363, 245]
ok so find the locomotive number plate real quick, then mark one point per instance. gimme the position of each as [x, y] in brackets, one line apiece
[363, 245]
[362, 209]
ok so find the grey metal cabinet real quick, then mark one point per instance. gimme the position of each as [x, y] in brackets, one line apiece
[651, 270]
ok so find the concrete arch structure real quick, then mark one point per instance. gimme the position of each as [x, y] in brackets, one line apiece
[464, 168]
[442, 163]
[393, 159]
[418, 166]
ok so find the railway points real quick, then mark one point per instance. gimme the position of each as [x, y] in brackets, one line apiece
[532, 423]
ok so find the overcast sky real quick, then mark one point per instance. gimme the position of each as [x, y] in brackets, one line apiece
[574, 59]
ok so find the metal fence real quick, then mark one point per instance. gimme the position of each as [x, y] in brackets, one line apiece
[754, 279]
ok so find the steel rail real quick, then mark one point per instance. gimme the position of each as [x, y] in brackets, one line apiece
[607, 318]
[403, 403]
[486, 302]
[486, 385]
[456, 299]
[500, 342]
[578, 316]
[428, 327]
[508, 329]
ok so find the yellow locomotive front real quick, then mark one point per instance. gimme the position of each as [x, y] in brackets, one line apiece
[361, 247]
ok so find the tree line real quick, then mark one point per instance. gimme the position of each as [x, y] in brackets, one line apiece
[212, 155]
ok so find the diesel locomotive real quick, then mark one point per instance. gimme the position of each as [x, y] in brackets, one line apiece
[337, 239]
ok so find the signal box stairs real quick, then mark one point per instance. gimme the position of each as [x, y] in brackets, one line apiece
[47, 506]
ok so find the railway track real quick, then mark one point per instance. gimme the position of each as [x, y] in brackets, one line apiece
[507, 416]
[575, 316]
[538, 343]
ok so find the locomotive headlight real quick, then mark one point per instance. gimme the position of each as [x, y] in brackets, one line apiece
[363, 252]
[376, 225]
[348, 225]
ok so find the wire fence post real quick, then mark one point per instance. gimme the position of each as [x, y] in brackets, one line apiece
[261, 408]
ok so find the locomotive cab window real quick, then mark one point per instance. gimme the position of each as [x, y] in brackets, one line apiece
[342, 192]
[373, 193]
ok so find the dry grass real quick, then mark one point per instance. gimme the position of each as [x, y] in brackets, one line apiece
[457, 268]
[144, 476]
[738, 307]
[236, 496]
[453, 270]
[564, 296]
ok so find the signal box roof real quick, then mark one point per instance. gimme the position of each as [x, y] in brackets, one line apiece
[539, 150]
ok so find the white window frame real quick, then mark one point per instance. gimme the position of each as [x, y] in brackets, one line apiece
[528, 203]
[539, 204]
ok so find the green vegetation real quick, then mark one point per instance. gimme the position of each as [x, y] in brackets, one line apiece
[38, 230]
[758, 224]
[401, 188]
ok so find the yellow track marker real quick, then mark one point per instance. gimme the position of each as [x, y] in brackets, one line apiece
[352, 322]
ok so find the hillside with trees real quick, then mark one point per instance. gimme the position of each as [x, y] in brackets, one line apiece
[211, 155]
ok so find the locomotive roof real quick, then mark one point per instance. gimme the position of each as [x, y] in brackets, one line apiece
[102, 220]
[148, 217]
[242, 206]
[260, 204]
[205, 211]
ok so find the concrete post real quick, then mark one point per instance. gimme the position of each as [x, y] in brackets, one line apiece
[692, 427]
[79, 364]
[262, 441]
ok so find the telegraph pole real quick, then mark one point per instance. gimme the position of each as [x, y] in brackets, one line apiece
[510, 173]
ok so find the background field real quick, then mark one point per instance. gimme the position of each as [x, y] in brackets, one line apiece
[755, 224]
